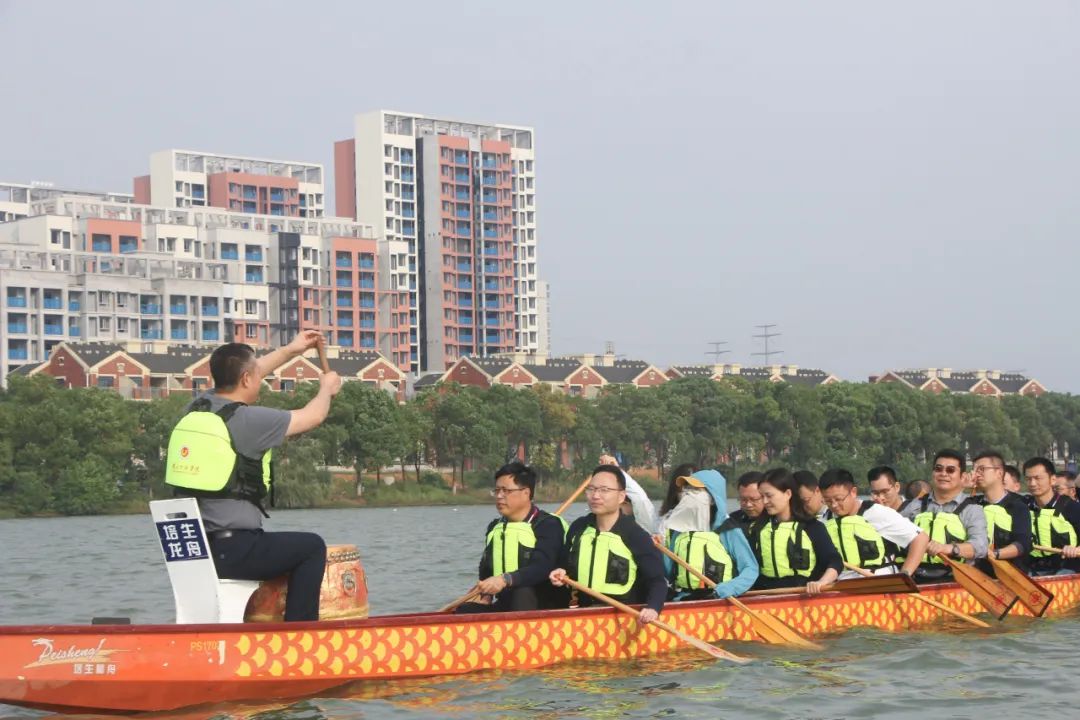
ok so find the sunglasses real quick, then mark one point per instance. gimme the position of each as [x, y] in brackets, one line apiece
[947, 469]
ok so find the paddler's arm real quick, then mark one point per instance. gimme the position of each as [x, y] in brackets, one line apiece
[300, 344]
[974, 519]
[829, 563]
[650, 567]
[916, 550]
[734, 540]
[311, 415]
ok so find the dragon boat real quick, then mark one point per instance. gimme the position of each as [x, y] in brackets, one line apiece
[125, 668]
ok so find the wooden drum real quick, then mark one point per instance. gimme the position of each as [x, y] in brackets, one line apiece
[343, 596]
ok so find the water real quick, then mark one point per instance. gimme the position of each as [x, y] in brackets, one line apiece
[68, 570]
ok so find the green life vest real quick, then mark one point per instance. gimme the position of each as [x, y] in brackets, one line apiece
[858, 541]
[510, 545]
[705, 553]
[784, 549]
[1051, 529]
[943, 527]
[202, 460]
[999, 525]
[602, 562]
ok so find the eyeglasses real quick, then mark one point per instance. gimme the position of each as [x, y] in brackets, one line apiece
[499, 492]
[947, 469]
[751, 501]
[985, 469]
[601, 491]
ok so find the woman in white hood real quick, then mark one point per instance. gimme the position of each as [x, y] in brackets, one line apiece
[698, 530]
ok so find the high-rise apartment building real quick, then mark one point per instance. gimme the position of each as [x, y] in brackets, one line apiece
[187, 179]
[459, 199]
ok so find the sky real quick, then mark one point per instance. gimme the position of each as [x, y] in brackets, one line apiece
[892, 185]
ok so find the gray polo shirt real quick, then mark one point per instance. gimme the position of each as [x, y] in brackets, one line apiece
[254, 430]
[972, 517]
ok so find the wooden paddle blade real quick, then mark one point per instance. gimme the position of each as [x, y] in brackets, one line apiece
[992, 596]
[716, 652]
[876, 584]
[1032, 595]
[773, 630]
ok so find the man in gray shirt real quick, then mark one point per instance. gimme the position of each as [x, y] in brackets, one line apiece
[240, 548]
[955, 524]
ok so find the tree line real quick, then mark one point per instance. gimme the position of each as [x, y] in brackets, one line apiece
[87, 451]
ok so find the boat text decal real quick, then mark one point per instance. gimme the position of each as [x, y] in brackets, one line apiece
[94, 660]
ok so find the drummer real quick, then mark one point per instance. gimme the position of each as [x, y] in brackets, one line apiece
[220, 452]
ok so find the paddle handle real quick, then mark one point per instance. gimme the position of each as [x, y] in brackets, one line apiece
[570, 500]
[945, 608]
[862, 571]
[467, 597]
[798, 590]
[682, 563]
[1046, 549]
[321, 347]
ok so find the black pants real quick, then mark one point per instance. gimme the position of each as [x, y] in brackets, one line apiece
[258, 555]
[543, 597]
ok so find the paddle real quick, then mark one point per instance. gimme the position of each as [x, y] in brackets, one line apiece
[929, 601]
[1044, 548]
[995, 598]
[876, 585]
[1032, 595]
[770, 628]
[475, 592]
[688, 639]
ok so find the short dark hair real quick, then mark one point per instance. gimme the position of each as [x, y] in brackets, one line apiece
[876, 472]
[614, 470]
[1014, 471]
[1067, 474]
[916, 488]
[836, 476]
[228, 363]
[1035, 461]
[951, 454]
[524, 476]
[988, 455]
[750, 478]
[805, 479]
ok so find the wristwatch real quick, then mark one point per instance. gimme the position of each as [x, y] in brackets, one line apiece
[955, 552]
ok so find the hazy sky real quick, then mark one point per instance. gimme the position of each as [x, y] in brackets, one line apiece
[893, 185]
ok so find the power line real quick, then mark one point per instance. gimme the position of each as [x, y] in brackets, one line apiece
[716, 352]
[766, 335]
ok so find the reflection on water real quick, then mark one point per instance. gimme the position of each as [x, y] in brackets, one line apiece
[71, 569]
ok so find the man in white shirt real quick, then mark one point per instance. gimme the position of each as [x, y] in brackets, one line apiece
[641, 507]
[867, 534]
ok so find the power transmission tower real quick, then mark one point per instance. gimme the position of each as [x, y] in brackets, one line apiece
[716, 352]
[767, 334]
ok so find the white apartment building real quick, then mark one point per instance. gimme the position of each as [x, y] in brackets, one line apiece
[189, 179]
[380, 181]
[102, 268]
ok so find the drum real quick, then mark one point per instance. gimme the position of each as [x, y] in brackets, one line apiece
[344, 590]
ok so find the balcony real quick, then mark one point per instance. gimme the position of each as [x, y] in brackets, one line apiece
[16, 327]
[52, 303]
[406, 157]
[253, 256]
[253, 277]
[344, 301]
[463, 229]
[461, 176]
[464, 302]
[463, 213]
[343, 280]
[462, 194]
[367, 262]
[491, 250]
[489, 179]
[491, 339]
[129, 247]
[146, 334]
[492, 304]
[178, 333]
[465, 338]
[491, 284]
[490, 196]
[102, 246]
[367, 322]
[249, 193]
[210, 335]
[232, 254]
[73, 331]
[464, 267]
[489, 162]
[54, 329]
[150, 309]
[367, 283]
[74, 306]
[345, 339]
[491, 267]
[461, 158]
[491, 215]
[367, 340]
[491, 320]
[16, 301]
[464, 285]
[17, 354]
[277, 195]
[490, 233]
[406, 175]
[366, 303]
[178, 309]
[344, 321]
[210, 310]
[465, 317]
[408, 213]
[408, 195]
[343, 261]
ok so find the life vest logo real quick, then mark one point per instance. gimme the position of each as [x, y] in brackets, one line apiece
[185, 451]
[71, 655]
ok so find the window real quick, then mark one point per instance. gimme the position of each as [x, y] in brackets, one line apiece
[250, 330]
[121, 325]
[251, 307]
[119, 367]
[105, 382]
[187, 245]
[104, 324]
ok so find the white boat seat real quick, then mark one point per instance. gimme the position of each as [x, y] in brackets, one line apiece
[200, 596]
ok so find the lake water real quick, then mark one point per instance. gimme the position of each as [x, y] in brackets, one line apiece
[68, 570]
